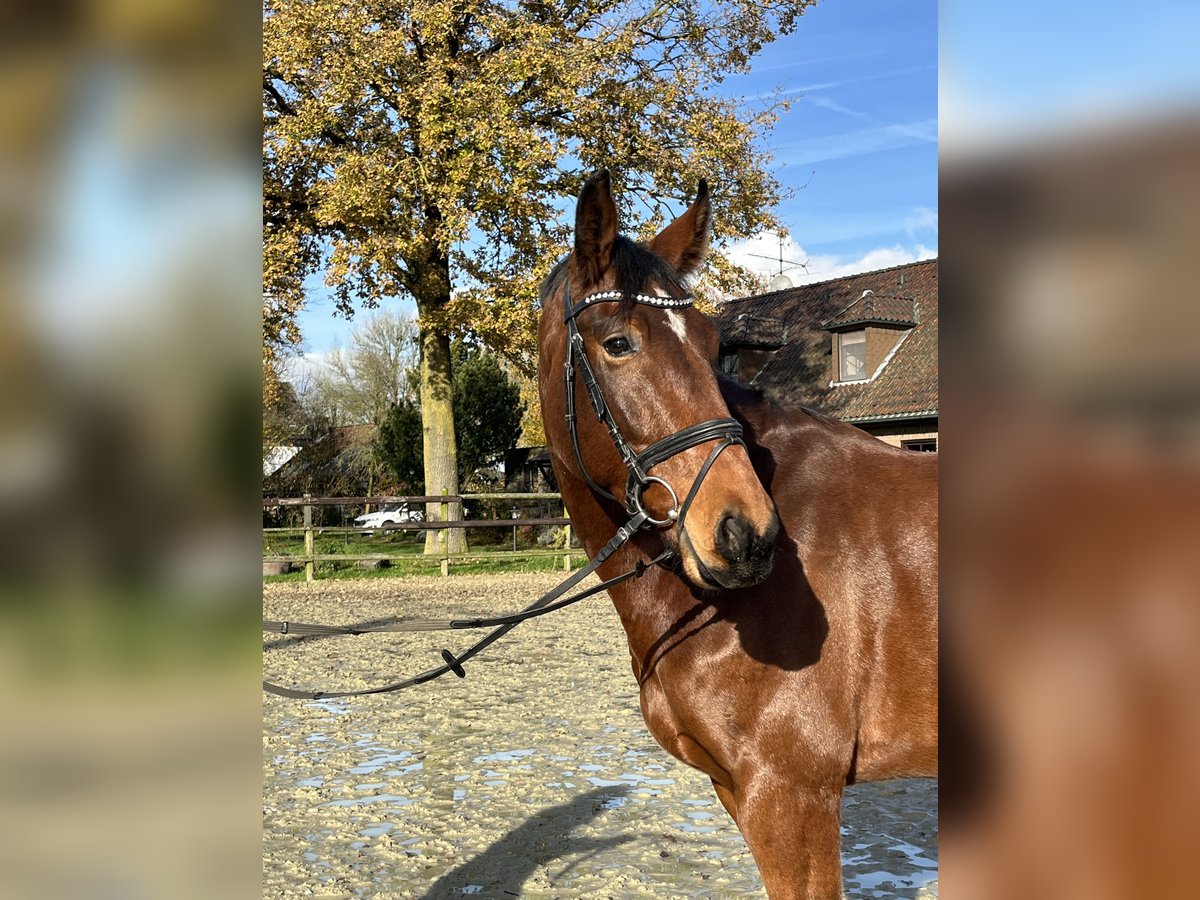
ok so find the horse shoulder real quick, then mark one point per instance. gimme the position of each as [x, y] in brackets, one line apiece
[673, 735]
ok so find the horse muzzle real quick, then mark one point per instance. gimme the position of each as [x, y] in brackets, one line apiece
[744, 555]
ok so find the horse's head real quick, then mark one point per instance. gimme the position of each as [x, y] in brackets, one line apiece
[653, 359]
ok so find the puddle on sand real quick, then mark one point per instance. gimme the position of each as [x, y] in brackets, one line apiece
[504, 756]
[877, 881]
[369, 801]
[378, 762]
[377, 830]
[337, 707]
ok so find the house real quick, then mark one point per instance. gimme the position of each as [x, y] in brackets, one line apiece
[274, 458]
[527, 469]
[861, 348]
[340, 462]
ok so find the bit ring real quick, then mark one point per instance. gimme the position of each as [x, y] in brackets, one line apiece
[672, 513]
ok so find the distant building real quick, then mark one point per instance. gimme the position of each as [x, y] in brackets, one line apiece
[527, 470]
[863, 348]
[338, 463]
[274, 458]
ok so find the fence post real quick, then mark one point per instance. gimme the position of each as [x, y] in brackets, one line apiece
[567, 544]
[445, 536]
[309, 562]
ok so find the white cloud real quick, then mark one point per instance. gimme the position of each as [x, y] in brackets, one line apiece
[858, 143]
[304, 367]
[828, 103]
[823, 268]
[750, 253]
[920, 219]
[813, 60]
[842, 82]
[761, 253]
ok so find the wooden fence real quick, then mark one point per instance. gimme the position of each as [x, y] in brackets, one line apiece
[310, 557]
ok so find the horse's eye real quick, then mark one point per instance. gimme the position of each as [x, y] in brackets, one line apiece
[618, 346]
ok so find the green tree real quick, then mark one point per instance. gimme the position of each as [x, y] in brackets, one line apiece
[427, 150]
[488, 411]
[398, 446]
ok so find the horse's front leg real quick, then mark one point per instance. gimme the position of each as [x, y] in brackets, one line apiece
[793, 830]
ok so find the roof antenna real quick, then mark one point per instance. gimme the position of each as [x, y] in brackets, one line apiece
[781, 282]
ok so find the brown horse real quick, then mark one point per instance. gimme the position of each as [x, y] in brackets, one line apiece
[793, 649]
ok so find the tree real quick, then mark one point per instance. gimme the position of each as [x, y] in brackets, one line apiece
[283, 414]
[427, 150]
[488, 411]
[359, 385]
[398, 446]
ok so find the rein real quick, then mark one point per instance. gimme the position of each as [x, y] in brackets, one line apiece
[726, 431]
[540, 607]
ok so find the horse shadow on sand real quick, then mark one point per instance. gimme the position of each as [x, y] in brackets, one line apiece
[506, 865]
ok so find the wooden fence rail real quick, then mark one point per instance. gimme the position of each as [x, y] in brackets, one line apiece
[442, 524]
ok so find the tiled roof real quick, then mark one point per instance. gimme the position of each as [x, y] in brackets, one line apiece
[801, 369]
[349, 437]
[873, 307]
[755, 331]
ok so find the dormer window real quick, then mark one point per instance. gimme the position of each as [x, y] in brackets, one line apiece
[852, 355]
[866, 333]
[749, 346]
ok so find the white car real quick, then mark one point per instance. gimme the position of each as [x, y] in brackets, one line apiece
[391, 514]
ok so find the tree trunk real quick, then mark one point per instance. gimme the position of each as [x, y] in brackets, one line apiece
[431, 290]
[440, 447]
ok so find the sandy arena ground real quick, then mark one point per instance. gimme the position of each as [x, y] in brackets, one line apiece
[535, 777]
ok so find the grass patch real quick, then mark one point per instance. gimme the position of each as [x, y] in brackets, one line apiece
[406, 552]
[405, 568]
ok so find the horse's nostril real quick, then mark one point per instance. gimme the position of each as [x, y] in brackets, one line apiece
[734, 536]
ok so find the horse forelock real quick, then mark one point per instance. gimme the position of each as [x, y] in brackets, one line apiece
[634, 267]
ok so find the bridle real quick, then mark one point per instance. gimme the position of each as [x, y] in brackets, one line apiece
[726, 432]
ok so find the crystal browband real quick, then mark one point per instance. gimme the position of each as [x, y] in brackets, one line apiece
[606, 296]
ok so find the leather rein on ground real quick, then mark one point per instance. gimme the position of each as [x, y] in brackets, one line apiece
[727, 431]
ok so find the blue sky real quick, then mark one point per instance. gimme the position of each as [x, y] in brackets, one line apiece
[859, 146]
[1017, 73]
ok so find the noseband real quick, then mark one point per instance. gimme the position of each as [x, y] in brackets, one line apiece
[727, 431]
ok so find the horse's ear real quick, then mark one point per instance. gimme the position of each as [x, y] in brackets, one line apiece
[595, 228]
[684, 242]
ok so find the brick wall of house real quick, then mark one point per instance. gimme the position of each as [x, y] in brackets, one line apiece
[895, 433]
[880, 341]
